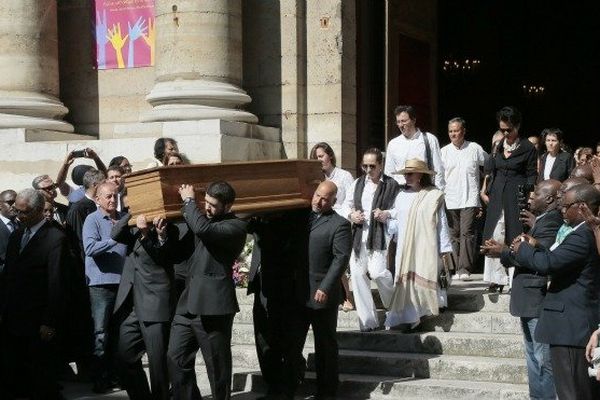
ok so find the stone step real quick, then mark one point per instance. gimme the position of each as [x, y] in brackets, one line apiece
[382, 387]
[460, 298]
[450, 343]
[479, 322]
[406, 365]
[455, 321]
[482, 369]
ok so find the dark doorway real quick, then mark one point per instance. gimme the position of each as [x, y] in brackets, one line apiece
[553, 45]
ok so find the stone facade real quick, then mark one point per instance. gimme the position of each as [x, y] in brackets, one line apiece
[221, 67]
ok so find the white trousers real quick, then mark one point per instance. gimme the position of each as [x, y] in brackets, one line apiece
[375, 263]
[493, 270]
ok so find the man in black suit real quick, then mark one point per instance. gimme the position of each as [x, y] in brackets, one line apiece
[280, 252]
[329, 248]
[144, 304]
[31, 301]
[529, 288]
[569, 312]
[204, 314]
[8, 221]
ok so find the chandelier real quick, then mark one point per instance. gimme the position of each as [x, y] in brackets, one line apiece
[533, 90]
[461, 65]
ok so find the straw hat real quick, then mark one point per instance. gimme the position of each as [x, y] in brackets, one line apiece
[415, 166]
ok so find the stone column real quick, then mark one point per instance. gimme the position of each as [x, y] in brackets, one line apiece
[29, 82]
[198, 62]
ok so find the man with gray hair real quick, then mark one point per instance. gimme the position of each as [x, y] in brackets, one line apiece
[462, 162]
[47, 188]
[31, 301]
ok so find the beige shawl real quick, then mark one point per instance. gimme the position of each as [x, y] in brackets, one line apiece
[417, 274]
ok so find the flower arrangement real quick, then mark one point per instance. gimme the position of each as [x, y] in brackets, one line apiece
[241, 266]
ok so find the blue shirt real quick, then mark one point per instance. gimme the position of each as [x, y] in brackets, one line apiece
[104, 257]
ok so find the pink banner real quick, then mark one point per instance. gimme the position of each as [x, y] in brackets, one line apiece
[125, 33]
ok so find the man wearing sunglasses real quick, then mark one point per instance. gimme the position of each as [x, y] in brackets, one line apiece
[46, 186]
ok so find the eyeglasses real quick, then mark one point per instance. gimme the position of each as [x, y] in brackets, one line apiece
[49, 188]
[367, 166]
[507, 130]
[23, 212]
[9, 202]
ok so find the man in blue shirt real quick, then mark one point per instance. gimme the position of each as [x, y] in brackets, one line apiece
[104, 260]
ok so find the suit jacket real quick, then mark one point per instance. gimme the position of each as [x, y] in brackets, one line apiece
[32, 293]
[329, 247]
[209, 287]
[148, 272]
[280, 252]
[570, 310]
[561, 170]
[529, 287]
[75, 219]
[4, 235]
[62, 211]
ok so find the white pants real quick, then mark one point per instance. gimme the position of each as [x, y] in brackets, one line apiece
[375, 263]
[493, 270]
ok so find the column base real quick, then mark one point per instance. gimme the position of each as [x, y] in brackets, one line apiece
[186, 100]
[32, 110]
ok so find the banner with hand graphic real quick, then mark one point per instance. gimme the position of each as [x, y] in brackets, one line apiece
[125, 33]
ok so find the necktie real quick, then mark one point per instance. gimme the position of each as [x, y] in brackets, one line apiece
[25, 238]
[312, 219]
[563, 232]
[11, 226]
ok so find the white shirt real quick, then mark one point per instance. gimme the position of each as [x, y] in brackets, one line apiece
[343, 180]
[366, 200]
[461, 171]
[401, 149]
[6, 222]
[550, 159]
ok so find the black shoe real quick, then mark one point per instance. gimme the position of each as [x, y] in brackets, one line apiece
[101, 386]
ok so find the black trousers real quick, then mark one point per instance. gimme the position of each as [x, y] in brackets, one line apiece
[569, 368]
[136, 338]
[212, 335]
[28, 367]
[462, 234]
[281, 362]
[324, 325]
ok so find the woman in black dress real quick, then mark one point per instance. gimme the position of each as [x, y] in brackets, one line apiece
[513, 165]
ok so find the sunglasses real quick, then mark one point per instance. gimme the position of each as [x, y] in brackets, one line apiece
[507, 130]
[49, 188]
[9, 202]
[367, 166]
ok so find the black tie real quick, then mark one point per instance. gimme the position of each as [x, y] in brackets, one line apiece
[25, 238]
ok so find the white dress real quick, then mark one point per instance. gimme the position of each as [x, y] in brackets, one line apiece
[343, 180]
[397, 226]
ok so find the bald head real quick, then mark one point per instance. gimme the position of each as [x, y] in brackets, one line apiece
[583, 171]
[568, 184]
[544, 197]
[549, 186]
[324, 197]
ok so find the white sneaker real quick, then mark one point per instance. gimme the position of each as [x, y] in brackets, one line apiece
[465, 277]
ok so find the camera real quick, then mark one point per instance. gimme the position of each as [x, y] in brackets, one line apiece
[523, 196]
[80, 153]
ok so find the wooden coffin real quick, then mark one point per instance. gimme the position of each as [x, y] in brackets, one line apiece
[260, 186]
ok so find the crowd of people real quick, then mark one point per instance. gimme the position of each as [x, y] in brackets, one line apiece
[82, 283]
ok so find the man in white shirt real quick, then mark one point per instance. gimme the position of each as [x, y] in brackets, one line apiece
[412, 143]
[462, 161]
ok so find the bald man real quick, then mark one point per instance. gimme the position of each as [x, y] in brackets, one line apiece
[583, 171]
[329, 247]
